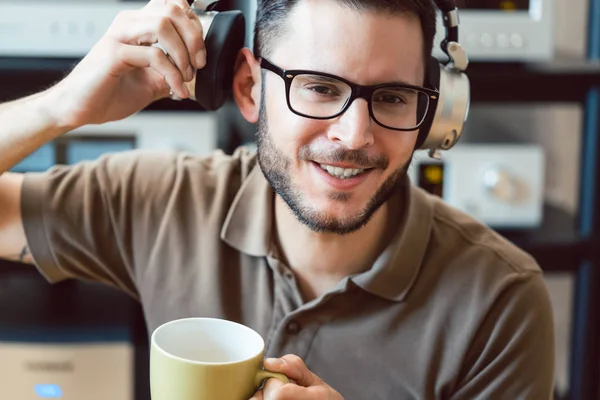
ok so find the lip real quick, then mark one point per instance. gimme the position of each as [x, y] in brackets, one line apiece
[341, 165]
[340, 184]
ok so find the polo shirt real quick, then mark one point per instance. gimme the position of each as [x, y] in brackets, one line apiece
[449, 310]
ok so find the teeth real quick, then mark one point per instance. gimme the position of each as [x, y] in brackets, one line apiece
[341, 173]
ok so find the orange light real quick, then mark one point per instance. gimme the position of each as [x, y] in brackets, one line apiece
[508, 5]
[434, 174]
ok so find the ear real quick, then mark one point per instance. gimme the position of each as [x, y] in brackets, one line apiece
[247, 85]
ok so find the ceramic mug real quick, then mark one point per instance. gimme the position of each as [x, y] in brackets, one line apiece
[206, 358]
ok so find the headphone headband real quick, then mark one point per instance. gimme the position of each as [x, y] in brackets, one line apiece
[444, 116]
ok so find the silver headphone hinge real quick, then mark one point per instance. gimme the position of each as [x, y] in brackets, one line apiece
[200, 5]
[435, 154]
[450, 19]
[458, 56]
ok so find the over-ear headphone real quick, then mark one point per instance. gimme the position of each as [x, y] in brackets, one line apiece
[224, 35]
[445, 115]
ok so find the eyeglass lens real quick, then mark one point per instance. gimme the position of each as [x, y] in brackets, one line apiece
[323, 97]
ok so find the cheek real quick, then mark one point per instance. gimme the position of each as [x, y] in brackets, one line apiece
[288, 130]
[399, 146]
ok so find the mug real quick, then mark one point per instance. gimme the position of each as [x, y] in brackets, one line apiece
[206, 359]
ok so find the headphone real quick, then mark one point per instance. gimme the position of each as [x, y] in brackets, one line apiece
[445, 114]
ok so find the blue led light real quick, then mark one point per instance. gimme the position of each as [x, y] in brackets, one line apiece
[48, 391]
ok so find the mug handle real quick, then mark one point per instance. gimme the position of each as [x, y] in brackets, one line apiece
[262, 374]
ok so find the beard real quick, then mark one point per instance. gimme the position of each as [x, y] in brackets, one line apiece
[275, 167]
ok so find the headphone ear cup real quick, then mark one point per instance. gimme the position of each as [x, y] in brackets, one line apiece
[428, 108]
[224, 40]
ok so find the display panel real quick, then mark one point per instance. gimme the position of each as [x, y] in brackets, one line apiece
[38, 161]
[506, 5]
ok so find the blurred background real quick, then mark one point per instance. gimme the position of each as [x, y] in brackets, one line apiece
[526, 166]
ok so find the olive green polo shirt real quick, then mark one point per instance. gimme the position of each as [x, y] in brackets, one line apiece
[449, 310]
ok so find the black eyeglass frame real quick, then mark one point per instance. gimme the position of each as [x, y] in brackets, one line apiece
[357, 91]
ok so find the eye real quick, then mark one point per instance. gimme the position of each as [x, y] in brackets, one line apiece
[322, 90]
[390, 99]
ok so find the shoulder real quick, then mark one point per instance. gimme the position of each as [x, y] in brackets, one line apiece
[154, 171]
[461, 237]
[152, 162]
[466, 262]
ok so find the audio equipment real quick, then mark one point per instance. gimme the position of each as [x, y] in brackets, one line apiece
[501, 185]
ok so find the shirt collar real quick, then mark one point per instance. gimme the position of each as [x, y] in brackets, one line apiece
[396, 270]
[249, 223]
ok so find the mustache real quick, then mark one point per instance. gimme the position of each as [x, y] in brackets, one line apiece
[357, 157]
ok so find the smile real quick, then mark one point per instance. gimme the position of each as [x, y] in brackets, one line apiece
[341, 173]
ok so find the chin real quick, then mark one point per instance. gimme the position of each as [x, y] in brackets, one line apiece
[337, 213]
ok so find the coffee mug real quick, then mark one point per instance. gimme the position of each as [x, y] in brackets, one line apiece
[206, 359]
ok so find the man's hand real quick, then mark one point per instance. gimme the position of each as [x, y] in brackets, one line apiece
[304, 385]
[124, 71]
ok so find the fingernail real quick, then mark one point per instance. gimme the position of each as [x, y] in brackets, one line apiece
[190, 73]
[201, 58]
[274, 361]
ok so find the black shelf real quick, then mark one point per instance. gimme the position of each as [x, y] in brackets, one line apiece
[22, 76]
[556, 244]
[563, 80]
[30, 307]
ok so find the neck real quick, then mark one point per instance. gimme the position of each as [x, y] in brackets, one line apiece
[321, 260]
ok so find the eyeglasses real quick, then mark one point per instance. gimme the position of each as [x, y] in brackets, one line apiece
[319, 95]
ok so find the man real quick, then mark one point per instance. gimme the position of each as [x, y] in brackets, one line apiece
[362, 285]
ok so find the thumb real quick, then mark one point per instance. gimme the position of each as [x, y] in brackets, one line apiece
[294, 368]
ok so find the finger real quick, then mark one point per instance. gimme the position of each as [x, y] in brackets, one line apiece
[272, 388]
[169, 40]
[188, 26]
[257, 396]
[143, 29]
[181, 3]
[279, 391]
[155, 58]
[169, 25]
[294, 368]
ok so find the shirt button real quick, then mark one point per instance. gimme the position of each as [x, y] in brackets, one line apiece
[293, 328]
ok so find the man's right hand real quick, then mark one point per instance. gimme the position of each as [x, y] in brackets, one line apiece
[124, 72]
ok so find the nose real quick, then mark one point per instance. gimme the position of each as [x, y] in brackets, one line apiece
[354, 127]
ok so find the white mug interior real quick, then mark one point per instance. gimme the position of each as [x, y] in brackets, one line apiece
[208, 340]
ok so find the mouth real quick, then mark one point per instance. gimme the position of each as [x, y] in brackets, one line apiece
[342, 173]
[340, 178]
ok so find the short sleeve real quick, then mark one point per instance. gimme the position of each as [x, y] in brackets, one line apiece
[512, 355]
[85, 221]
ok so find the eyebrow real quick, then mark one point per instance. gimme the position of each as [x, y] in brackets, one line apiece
[324, 78]
[400, 83]
[390, 83]
[396, 83]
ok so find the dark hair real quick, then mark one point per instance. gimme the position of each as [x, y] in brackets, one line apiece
[271, 16]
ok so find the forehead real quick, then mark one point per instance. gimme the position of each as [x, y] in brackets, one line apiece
[363, 46]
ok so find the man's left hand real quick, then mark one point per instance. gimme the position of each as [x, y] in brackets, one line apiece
[304, 385]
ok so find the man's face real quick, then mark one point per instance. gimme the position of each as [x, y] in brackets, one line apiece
[363, 47]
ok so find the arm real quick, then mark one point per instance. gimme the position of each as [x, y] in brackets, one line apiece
[512, 355]
[13, 244]
[117, 78]
[26, 125]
